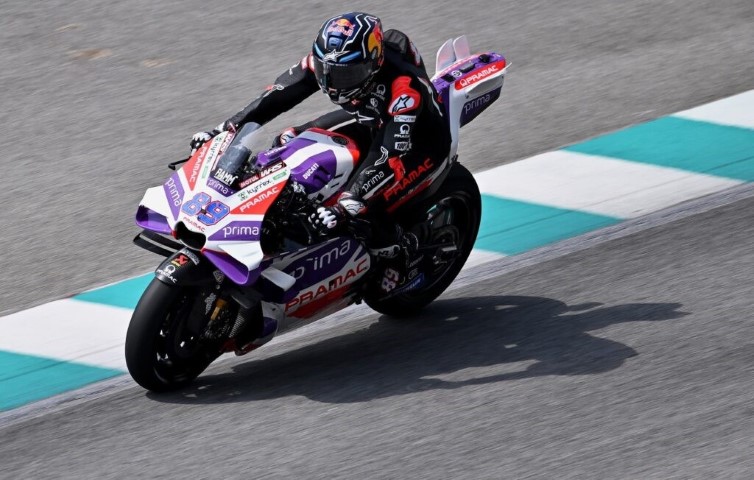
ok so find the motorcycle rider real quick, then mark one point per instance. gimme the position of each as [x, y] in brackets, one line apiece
[388, 106]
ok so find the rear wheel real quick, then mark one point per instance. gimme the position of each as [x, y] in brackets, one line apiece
[450, 221]
[162, 354]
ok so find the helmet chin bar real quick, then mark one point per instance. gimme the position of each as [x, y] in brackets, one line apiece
[342, 96]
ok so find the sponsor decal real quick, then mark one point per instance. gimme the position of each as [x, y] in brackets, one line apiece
[415, 283]
[256, 200]
[479, 75]
[372, 182]
[416, 262]
[259, 186]
[363, 119]
[409, 179]
[310, 171]
[205, 170]
[379, 91]
[181, 260]
[341, 26]
[405, 98]
[191, 255]
[213, 149]
[168, 272]
[321, 290]
[383, 157]
[352, 206]
[219, 187]
[246, 231]
[402, 146]
[476, 103]
[279, 176]
[226, 141]
[196, 225]
[262, 173]
[224, 176]
[403, 132]
[324, 260]
[332, 57]
[193, 174]
[403, 103]
[238, 230]
[405, 118]
[175, 194]
[386, 252]
[374, 105]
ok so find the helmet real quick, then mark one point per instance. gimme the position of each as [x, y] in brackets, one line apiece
[347, 54]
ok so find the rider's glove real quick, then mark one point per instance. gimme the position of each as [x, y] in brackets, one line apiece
[329, 219]
[288, 134]
[200, 138]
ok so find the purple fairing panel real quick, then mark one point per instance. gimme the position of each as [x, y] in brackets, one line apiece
[269, 326]
[174, 193]
[283, 152]
[316, 172]
[462, 69]
[234, 269]
[151, 220]
[319, 263]
[238, 230]
[220, 187]
[477, 105]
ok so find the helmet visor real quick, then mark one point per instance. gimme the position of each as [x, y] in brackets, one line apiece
[341, 76]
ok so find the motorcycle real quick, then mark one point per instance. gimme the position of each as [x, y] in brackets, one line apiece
[243, 262]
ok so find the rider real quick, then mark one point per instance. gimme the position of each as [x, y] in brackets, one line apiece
[388, 106]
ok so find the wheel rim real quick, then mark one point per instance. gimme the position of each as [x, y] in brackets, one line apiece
[177, 351]
[453, 222]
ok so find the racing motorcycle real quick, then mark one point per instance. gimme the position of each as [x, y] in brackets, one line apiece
[243, 262]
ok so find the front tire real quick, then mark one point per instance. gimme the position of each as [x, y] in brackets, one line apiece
[161, 353]
[458, 208]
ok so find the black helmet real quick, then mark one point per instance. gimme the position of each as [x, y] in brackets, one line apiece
[347, 54]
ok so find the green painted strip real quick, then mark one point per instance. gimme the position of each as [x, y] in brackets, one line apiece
[124, 294]
[25, 379]
[696, 146]
[511, 227]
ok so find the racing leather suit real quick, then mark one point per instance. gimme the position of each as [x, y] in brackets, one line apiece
[398, 124]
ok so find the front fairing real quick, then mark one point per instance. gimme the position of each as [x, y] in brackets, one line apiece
[214, 205]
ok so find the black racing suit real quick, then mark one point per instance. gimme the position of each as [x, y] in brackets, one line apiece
[399, 124]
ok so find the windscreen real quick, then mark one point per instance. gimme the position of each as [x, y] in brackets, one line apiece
[248, 142]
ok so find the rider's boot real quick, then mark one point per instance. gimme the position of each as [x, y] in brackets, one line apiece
[397, 255]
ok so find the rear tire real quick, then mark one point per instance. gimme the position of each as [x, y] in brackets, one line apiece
[161, 354]
[461, 205]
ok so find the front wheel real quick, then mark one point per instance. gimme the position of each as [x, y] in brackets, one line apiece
[161, 352]
[450, 219]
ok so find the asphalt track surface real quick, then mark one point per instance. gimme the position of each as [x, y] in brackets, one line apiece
[631, 359]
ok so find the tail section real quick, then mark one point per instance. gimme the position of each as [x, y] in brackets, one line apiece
[467, 84]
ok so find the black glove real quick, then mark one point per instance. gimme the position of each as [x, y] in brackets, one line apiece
[288, 134]
[336, 217]
[328, 219]
[200, 138]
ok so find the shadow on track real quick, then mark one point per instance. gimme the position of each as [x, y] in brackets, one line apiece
[501, 337]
